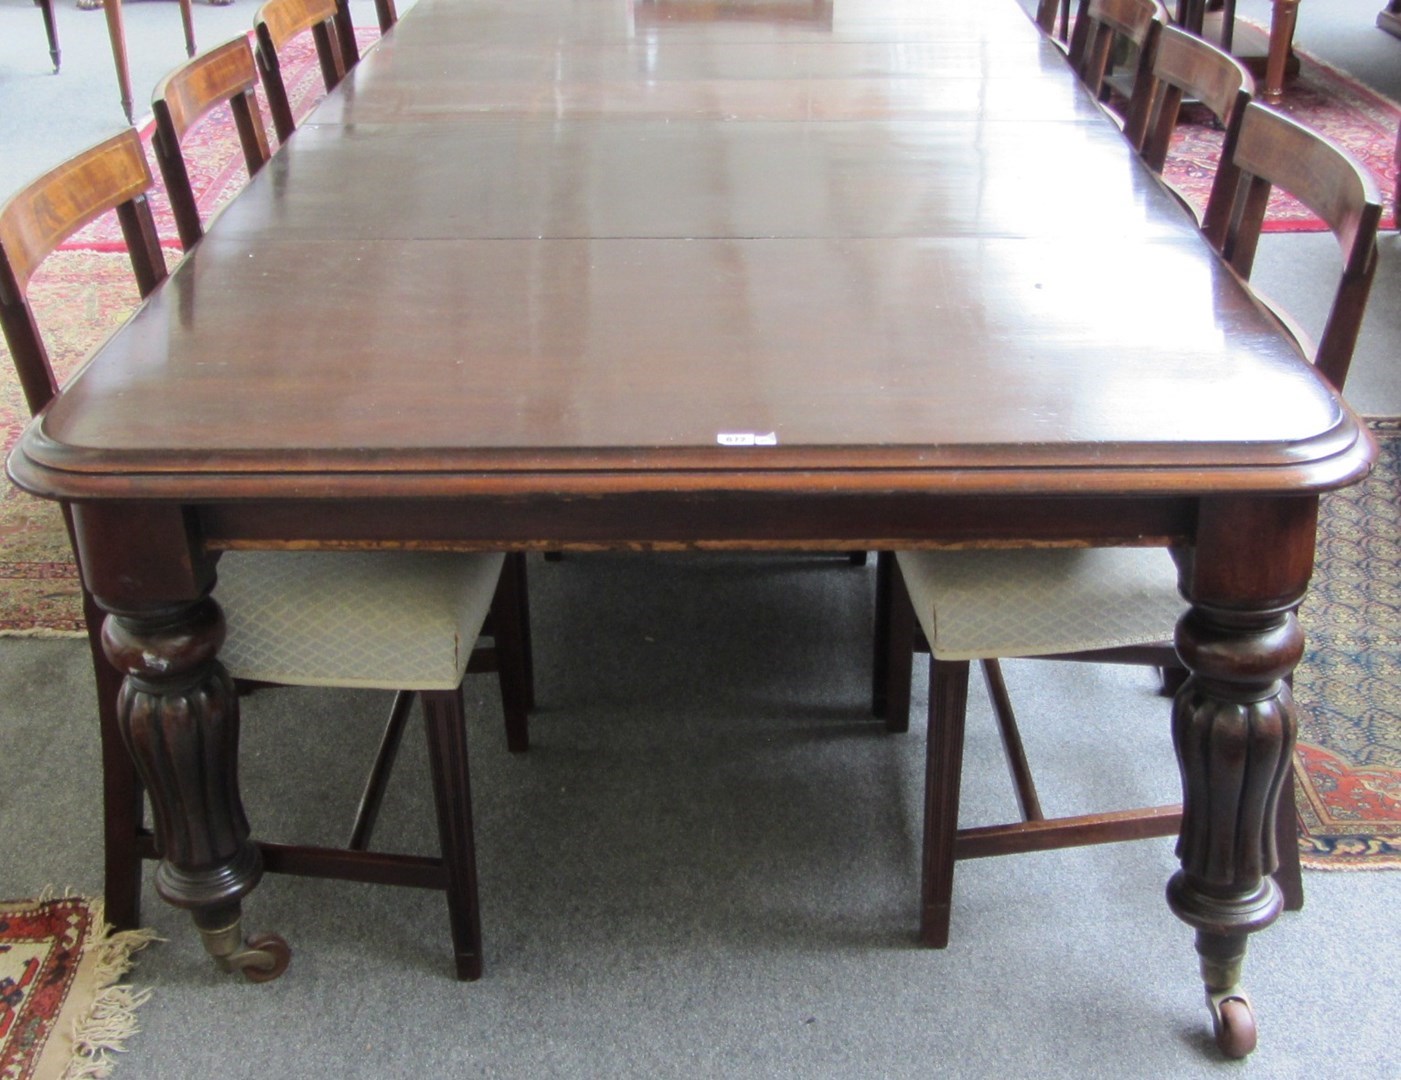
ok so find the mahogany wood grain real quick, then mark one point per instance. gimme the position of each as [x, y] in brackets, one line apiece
[113, 175]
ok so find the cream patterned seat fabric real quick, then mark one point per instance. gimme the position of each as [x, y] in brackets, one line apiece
[975, 605]
[394, 620]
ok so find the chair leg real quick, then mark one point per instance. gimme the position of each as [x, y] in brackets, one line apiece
[948, 707]
[880, 635]
[1288, 876]
[373, 795]
[452, 791]
[122, 794]
[510, 625]
[1012, 746]
[516, 563]
[897, 645]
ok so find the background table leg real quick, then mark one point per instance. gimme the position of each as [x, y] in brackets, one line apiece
[1282, 21]
[116, 31]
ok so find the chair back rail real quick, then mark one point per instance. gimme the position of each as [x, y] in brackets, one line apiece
[278, 22]
[113, 175]
[1183, 65]
[1268, 150]
[226, 73]
[1100, 23]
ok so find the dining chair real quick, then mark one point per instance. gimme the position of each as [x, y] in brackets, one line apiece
[1101, 26]
[1107, 605]
[279, 21]
[1269, 150]
[1184, 67]
[390, 620]
[225, 74]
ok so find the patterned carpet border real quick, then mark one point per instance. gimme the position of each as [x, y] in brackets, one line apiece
[62, 1010]
[1348, 686]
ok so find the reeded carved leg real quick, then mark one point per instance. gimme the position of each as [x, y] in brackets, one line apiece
[1233, 728]
[178, 713]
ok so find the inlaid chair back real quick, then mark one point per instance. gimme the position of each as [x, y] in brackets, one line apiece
[1099, 24]
[1184, 66]
[278, 22]
[113, 175]
[183, 98]
[1269, 150]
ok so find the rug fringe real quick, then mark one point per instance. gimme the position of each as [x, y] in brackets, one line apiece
[104, 1028]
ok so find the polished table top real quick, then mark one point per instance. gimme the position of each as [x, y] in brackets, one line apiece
[849, 275]
[527, 237]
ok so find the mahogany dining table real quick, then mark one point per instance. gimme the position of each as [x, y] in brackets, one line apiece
[646, 275]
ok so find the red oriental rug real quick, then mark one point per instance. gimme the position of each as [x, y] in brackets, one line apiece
[1348, 687]
[62, 1010]
[1325, 99]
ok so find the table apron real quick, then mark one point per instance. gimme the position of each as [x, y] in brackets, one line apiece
[690, 520]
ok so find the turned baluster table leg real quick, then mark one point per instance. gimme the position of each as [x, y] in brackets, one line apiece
[178, 713]
[1233, 728]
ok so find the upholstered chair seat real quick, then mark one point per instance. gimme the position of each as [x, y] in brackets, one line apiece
[974, 605]
[394, 620]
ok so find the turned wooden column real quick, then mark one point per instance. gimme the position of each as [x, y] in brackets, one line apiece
[1233, 728]
[177, 712]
